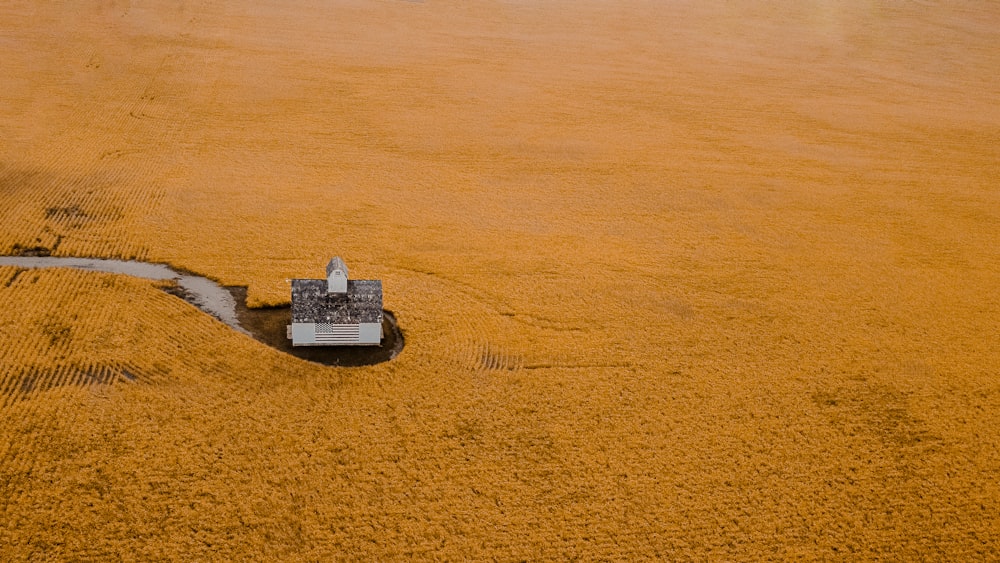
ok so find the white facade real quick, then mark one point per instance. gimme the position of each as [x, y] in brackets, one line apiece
[336, 281]
[321, 334]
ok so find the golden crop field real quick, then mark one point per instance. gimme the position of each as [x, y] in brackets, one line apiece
[678, 280]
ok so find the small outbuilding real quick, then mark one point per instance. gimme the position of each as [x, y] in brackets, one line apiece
[337, 311]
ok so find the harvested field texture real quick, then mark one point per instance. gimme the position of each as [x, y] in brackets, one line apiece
[678, 280]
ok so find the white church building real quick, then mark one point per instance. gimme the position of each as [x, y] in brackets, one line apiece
[337, 311]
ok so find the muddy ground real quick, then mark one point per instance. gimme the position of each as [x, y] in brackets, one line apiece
[268, 325]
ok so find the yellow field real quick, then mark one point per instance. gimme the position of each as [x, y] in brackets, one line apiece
[678, 280]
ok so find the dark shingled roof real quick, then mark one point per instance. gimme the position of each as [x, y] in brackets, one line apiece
[362, 304]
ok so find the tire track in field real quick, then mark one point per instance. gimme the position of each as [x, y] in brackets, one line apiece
[46, 354]
[126, 188]
[48, 183]
[46, 360]
[61, 319]
[31, 424]
[92, 198]
[478, 336]
[470, 334]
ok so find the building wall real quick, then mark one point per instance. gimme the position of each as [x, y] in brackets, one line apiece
[370, 333]
[313, 334]
[337, 282]
[303, 334]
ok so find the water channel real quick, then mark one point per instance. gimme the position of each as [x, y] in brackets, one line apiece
[228, 304]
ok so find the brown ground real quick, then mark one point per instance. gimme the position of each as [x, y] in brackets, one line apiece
[680, 280]
[267, 324]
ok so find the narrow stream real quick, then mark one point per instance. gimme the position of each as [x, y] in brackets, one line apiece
[228, 304]
[204, 293]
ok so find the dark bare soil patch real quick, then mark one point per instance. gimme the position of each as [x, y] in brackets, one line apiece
[32, 251]
[34, 380]
[72, 212]
[268, 325]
